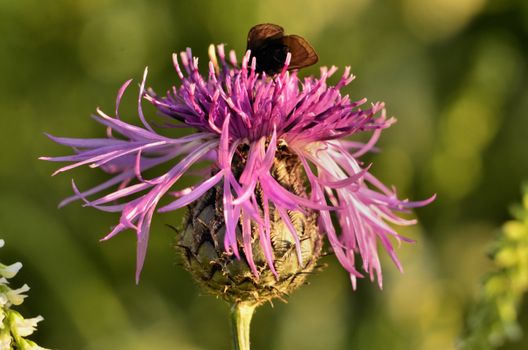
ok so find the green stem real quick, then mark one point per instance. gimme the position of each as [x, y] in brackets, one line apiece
[241, 314]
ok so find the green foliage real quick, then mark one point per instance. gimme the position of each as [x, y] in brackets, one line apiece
[494, 319]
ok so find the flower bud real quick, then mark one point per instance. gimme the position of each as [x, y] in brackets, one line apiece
[201, 243]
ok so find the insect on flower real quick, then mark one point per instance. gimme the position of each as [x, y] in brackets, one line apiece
[280, 170]
[270, 46]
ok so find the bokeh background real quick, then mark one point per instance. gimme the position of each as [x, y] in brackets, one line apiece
[454, 73]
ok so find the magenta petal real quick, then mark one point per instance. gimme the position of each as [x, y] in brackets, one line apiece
[223, 150]
[120, 94]
[248, 249]
[231, 217]
[142, 242]
[124, 192]
[140, 100]
[83, 143]
[352, 180]
[194, 194]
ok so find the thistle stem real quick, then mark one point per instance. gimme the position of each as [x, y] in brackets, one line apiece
[241, 314]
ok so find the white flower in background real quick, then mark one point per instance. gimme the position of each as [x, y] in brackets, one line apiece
[13, 326]
[24, 326]
[9, 271]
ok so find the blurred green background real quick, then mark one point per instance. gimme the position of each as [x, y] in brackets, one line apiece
[453, 72]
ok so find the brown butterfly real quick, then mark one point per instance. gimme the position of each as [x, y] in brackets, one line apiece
[269, 46]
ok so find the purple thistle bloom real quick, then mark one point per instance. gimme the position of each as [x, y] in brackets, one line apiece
[233, 107]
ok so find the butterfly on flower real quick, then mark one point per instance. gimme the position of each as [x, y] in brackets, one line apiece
[270, 46]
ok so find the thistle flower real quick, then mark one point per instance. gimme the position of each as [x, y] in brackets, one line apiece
[279, 174]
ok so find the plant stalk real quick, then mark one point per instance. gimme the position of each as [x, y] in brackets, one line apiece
[241, 314]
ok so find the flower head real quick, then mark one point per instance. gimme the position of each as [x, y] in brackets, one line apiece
[243, 121]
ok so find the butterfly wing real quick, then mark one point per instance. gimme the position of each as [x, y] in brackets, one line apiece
[259, 34]
[303, 54]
